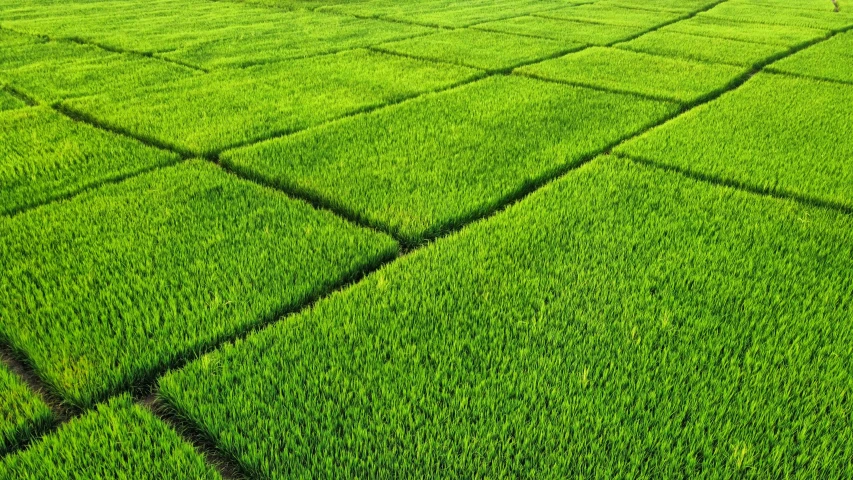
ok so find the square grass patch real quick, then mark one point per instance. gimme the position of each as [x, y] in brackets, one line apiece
[22, 412]
[829, 60]
[301, 34]
[117, 440]
[703, 49]
[480, 49]
[563, 30]
[427, 165]
[53, 71]
[622, 322]
[639, 73]
[209, 113]
[750, 12]
[612, 15]
[748, 32]
[45, 156]
[775, 134]
[104, 291]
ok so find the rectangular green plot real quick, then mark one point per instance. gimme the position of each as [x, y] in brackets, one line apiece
[692, 47]
[829, 60]
[119, 440]
[300, 34]
[640, 73]
[563, 30]
[821, 5]
[22, 412]
[425, 166]
[612, 15]
[678, 6]
[747, 12]
[105, 290]
[9, 101]
[480, 49]
[745, 31]
[776, 134]
[206, 114]
[622, 322]
[52, 71]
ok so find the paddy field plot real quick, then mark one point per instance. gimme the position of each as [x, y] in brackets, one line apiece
[426, 238]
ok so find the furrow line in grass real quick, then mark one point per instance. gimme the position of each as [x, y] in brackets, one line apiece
[809, 77]
[593, 86]
[21, 95]
[682, 18]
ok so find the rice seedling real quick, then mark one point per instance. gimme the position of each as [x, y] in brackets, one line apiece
[747, 11]
[693, 47]
[562, 30]
[612, 15]
[22, 412]
[830, 60]
[8, 101]
[714, 28]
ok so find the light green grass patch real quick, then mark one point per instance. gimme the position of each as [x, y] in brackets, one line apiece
[206, 114]
[821, 5]
[300, 34]
[627, 71]
[830, 60]
[747, 32]
[678, 6]
[9, 38]
[52, 71]
[102, 291]
[562, 30]
[750, 12]
[22, 412]
[9, 101]
[774, 134]
[434, 163]
[45, 156]
[119, 440]
[692, 47]
[480, 49]
[612, 15]
[620, 323]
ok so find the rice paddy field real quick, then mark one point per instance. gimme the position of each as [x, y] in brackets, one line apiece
[496, 239]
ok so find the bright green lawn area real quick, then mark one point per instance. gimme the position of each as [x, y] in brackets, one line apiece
[52, 71]
[8, 101]
[680, 6]
[300, 34]
[206, 114]
[620, 323]
[9, 38]
[102, 291]
[830, 60]
[45, 156]
[746, 11]
[748, 32]
[480, 49]
[436, 162]
[693, 47]
[563, 30]
[627, 71]
[822, 5]
[118, 440]
[612, 15]
[776, 134]
[22, 412]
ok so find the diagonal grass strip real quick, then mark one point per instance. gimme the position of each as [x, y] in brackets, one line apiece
[22, 412]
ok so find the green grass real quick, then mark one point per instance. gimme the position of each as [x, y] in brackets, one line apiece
[693, 47]
[206, 114]
[53, 71]
[8, 101]
[102, 291]
[436, 162]
[830, 60]
[562, 30]
[479, 49]
[750, 12]
[714, 28]
[680, 6]
[11, 39]
[620, 323]
[612, 15]
[22, 412]
[821, 5]
[45, 156]
[774, 134]
[118, 440]
[307, 33]
[627, 71]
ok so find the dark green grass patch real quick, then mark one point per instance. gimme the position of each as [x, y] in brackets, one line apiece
[680, 6]
[480, 49]
[9, 101]
[45, 156]
[620, 323]
[119, 440]
[22, 412]
[622, 70]
[774, 134]
[830, 60]
[562, 30]
[747, 32]
[750, 12]
[208, 113]
[692, 47]
[102, 291]
[612, 15]
[300, 34]
[52, 71]
[430, 164]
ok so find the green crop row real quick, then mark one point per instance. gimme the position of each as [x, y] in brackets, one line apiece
[102, 291]
[424, 166]
[829, 60]
[714, 28]
[22, 412]
[750, 11]
[693, 47]
[680, 6]
[565, 31]
[612, 15]
[8, 101]
[622, 322]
